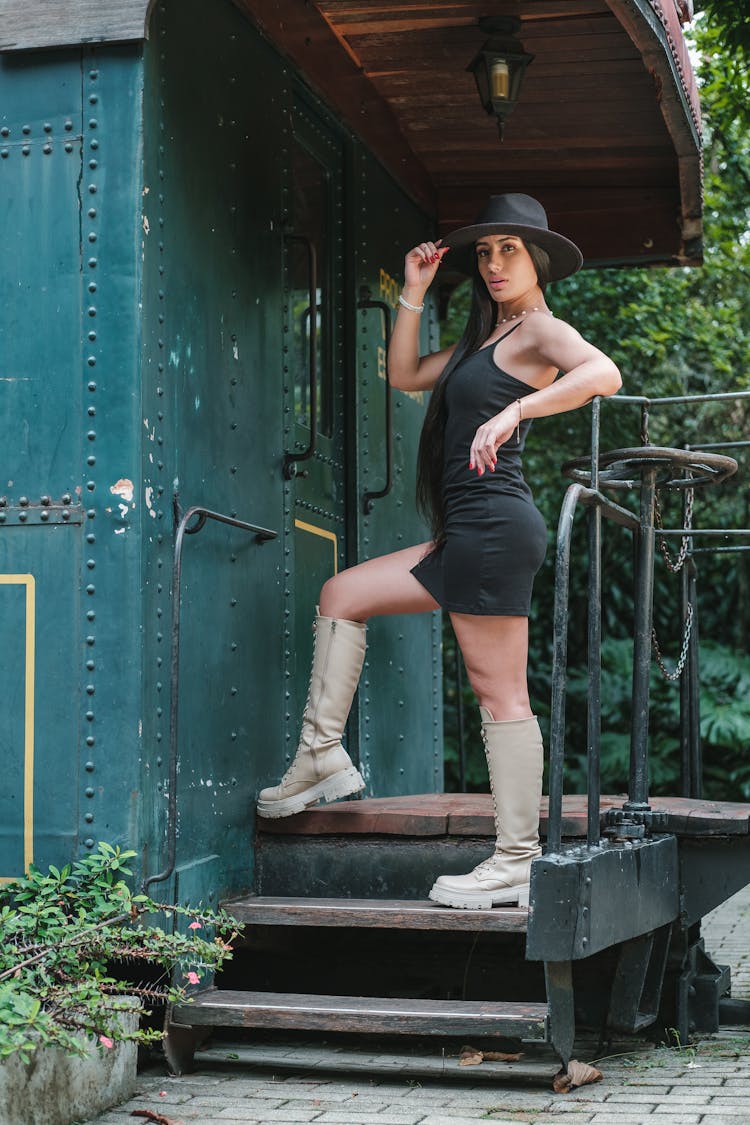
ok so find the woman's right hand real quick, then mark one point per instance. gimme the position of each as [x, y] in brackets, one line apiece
[421, 264]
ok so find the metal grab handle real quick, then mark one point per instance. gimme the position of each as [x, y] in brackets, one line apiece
[182, 521]
[369, 498]
[291, 459]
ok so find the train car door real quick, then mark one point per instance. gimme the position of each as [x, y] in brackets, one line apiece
[313, 367]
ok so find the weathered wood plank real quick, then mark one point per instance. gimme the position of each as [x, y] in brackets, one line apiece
[64, 23]
[470, 814]
[374, 914]
[226, 1008]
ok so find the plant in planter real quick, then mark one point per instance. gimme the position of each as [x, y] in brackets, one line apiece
[61, 936]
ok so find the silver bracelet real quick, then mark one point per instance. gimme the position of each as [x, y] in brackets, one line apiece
[412, 308]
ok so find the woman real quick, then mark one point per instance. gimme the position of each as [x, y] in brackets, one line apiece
[488, 538]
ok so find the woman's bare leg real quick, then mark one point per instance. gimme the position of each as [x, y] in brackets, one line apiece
[378, 586]
[495, 652]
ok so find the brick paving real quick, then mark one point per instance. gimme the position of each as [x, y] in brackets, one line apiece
[706, 1083]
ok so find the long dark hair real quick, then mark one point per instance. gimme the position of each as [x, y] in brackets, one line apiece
[481, 322]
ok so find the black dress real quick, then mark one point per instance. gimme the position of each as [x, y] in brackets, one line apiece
[496, 538]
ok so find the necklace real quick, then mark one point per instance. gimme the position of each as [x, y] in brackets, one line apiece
[524, 312]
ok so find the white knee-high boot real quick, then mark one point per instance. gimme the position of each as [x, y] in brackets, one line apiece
[322, 769]
[515, 758]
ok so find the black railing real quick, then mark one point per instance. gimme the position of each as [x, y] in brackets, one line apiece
[642, 467]
[182, 520]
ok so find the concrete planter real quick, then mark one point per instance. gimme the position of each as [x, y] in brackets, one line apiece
[56, 1089]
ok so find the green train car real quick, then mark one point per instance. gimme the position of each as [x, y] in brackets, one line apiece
[205, 206]
[156, 327]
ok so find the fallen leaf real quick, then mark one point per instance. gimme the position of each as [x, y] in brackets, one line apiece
[578, 1074]
[159, 1118]
[502, 1056]
[469, 1056]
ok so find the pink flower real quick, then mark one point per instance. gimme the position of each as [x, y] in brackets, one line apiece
[106, 1041]
[195, 926]
[193, 978]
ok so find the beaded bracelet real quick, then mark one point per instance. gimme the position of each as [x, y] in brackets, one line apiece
[412, 308]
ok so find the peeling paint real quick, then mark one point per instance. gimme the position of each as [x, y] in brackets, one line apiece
[119, 531]
[235, 350]
[146, 227]
[123, 487]
[149, 501]
[174, 358]
[197, 402]
[124, 510]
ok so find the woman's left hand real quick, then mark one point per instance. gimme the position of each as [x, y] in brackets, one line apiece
[490, 436]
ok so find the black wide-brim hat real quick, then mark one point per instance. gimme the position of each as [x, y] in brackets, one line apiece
[525, 217]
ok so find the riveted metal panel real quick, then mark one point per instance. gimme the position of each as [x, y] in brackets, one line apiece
[401, 729]
[210, 425]
[67, 314]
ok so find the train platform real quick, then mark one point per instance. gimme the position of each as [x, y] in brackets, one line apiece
[351, 1082]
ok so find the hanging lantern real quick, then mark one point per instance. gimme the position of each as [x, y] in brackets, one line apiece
[499, 67]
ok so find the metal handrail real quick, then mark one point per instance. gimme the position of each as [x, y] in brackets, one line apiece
[578, 494]
[262, 534]
[369, 498]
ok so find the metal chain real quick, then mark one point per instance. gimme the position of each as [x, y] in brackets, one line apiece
[677, 564]
[675, 675]
[672, 564]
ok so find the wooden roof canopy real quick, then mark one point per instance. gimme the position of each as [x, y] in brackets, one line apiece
[606, 132]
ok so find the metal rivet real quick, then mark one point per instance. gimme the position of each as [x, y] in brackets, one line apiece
[90, 485]
[91, 435]
[26, 129]
[89, 716]
[90, 589]
[68, 125]
[90, 640]
[92, 123]
[91, 411]
[47, 149]
[94, 143]
[89, 791]
[25, 150]
[90, 563]
[68, 146]
[89, 767]
[93, 99]
[90, 689]
[91, 461]
[89, 818]
[92, 263]
[4, 152]
[5, 131]
[89, 842]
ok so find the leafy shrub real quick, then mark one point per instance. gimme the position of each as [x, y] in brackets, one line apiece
[61, 935]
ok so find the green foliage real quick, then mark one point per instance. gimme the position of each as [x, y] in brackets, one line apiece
[61, 936]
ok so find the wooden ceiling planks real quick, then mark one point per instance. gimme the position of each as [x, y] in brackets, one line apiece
[593, 119]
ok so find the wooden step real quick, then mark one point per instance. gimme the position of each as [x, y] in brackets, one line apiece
[400, 914]
[374, 1014]
[471, 814]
